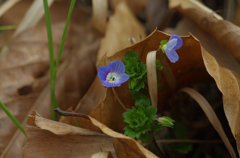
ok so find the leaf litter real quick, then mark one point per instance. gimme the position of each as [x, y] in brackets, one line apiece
[99, 103]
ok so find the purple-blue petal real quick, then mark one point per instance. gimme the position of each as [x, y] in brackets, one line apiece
[117, 67]
[179, 41]
[103, 72]
[172, 56]
[108, 84]
[171, 44]
[123, 78]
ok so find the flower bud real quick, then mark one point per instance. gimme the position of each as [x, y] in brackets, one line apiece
[166, 121]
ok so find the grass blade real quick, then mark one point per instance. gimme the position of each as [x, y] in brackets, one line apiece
[12, 118]
[63, 37]
[51, 59]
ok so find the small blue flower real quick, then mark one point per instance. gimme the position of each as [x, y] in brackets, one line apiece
[175, 42]
[113, 75]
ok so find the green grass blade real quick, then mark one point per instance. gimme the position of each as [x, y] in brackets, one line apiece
[51, 59]
[12, 118]
[63, 37]
[8, 27]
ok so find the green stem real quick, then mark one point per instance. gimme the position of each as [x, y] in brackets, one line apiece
[51, 58]
[120, 102]
[63, 37]
[12, 118]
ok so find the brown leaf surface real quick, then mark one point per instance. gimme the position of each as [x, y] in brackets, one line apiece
[22, 71]
[225, 32]
[118, 31]
[135, 5]
[42, 142]
[73, 141]
[28, 61]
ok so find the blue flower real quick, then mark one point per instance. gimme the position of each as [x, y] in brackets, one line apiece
[175, 42]
[113, 75]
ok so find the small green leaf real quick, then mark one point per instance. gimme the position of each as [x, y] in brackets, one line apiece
[156, 126]
[163, 42]
[143, 101]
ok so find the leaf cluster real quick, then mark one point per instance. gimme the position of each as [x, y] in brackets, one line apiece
[140, 121]
[136, 70]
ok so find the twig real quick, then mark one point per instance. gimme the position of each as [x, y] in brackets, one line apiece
[158, 149]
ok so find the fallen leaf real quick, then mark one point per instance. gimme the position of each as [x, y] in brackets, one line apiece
[42, 142]
[68, 89]
[100, 14]
[223, 31]
[136, 6]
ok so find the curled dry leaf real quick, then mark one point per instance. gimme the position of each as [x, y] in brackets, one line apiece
[208, 110]
[73, 141]
[152, 77]
[228, 83]
[100, 14]
[225, 32]
[44, 140]
[223, 56]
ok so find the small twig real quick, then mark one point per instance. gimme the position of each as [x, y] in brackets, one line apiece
[64, 113]
[187, 141]
[120, 102]
[158, 149]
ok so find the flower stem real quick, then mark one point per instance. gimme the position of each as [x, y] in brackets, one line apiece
[158, 149]
[120, 102]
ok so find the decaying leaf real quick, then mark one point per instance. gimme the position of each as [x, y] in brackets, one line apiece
[223, 31]
[72, 142]
[30, 71]
[22, 73]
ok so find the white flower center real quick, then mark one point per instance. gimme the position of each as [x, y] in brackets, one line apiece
[112, 77]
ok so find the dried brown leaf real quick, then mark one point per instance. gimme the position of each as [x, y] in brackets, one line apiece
[225, 32]
[100, 14]
[44, 143]
[152, 77]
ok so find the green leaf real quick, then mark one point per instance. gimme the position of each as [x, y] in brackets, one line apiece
[139, 119]
[12, 118]
[138, 95]
[131, 54]
[163, 42]
[156, 126]
[143, 101]
[136, 71]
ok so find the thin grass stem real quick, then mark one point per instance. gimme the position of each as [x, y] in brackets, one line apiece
[12, 118]
[8, 27]
[120, 102]
[63, 37]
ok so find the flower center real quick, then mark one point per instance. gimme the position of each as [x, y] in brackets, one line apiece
[112, 77]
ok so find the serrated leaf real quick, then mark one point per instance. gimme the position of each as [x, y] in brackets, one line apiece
[131, 54]
[143, 101]
[156, 126]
